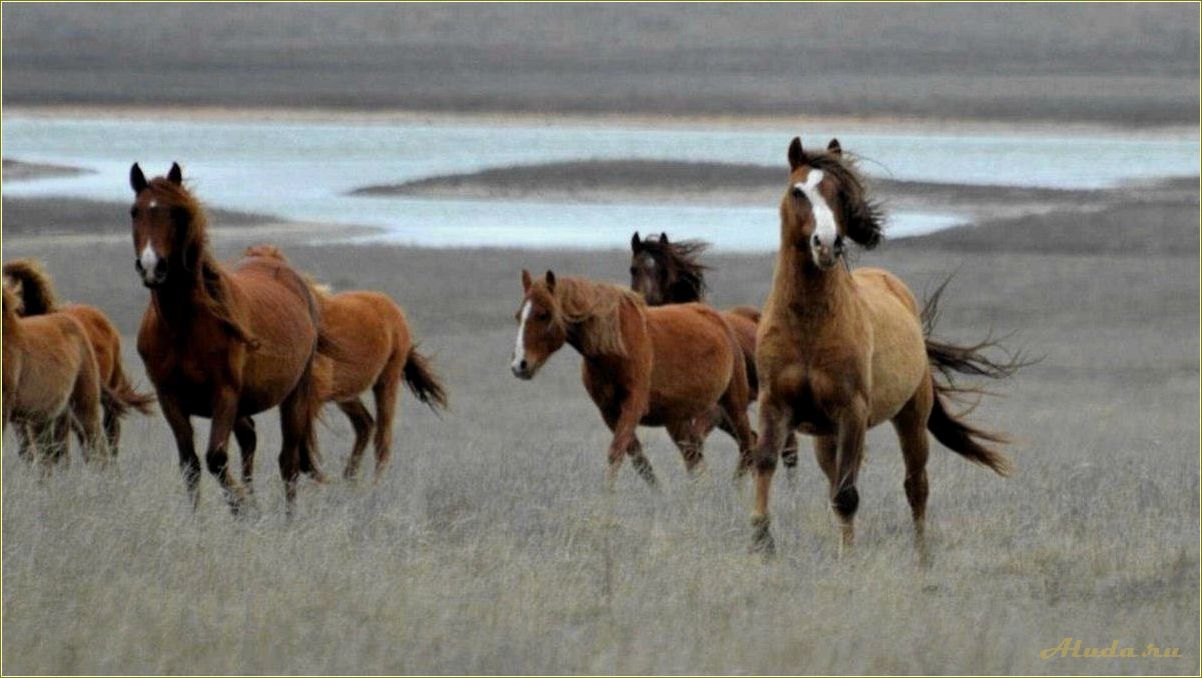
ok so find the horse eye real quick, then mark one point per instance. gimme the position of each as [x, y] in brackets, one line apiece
[798, 193]
[133, 211]
[634, 270]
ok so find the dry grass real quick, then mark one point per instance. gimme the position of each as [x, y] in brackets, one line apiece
[491, 548]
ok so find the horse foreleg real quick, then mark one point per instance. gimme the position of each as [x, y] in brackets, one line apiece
[225, 414]
[248, 440]
[626, 443]
[845, 499]
[181, 428]
[27, 442]
[362, 422]
[776, 422]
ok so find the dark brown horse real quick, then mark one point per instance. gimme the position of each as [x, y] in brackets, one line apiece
[36, 290]
[664, 366]
[668, 272]
[840, 352]
[222, 343]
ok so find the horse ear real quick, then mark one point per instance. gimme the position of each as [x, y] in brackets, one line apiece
[834, 148]
[797, 157]
[663, 238]
[176, 175]
[526, 280]
[635, 243]
[550, 281]
[137, 180]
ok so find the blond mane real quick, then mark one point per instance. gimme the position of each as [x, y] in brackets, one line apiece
[592, 312]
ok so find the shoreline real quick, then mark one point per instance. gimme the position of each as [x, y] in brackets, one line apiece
[923, 125]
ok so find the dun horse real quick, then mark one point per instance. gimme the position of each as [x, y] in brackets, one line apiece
[667, 272]
[841, 352]
[378, 352]
[222, 343]
[664, 366]
[118, 396]
[51, 381]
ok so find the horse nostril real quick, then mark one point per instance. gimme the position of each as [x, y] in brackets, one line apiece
[160, 267]
[138, 265]
[816, 240]
[523, 365]
[838, 242]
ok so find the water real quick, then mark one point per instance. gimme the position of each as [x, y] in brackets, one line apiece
[303, 170]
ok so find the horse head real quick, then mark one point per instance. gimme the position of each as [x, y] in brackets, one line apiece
[826, 205]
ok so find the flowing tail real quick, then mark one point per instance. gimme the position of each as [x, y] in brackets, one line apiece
[423, 382]
[37, 291]
[950, 359]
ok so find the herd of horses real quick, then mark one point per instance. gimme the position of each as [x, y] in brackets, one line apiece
[833, 353]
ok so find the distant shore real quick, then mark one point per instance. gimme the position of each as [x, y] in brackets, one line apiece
[17, 170]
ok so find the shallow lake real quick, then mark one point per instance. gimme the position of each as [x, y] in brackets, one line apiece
[303, 170]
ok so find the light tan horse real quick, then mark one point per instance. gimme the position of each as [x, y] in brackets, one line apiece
[377, 352]
[223, 343]
[51, 381]
[841, 352]
[665, 366]
[36, 290]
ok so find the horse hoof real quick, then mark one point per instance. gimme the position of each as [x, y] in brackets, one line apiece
[762, 542]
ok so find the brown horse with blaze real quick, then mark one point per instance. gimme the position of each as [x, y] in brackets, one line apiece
[222, 343]
[377, 352]
[840, 352]
[666, 366]
[36, 290]
[668, 272]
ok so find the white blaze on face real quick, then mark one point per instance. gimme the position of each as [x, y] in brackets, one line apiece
[519, 346]
[825, 229]
[149, 260]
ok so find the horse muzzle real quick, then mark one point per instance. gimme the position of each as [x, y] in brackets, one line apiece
[153, 277]
[523, 369]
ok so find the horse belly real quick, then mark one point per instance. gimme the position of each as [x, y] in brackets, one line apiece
[899, 360]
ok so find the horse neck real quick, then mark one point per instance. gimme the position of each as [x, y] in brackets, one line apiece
[180, 299]
[808, 292]
[681, 292]
[577, 337]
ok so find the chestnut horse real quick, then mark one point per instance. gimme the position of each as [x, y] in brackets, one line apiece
[378, 352]
[841, 352]
[118, 396]
[663, 366]
[668, 273]
[222, 343]
[51, 381]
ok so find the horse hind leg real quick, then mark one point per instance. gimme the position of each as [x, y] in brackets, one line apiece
[734, 410]
[385, 391]
[84, 416]
[362, 422]
[689, 438]
[911, 427]
[112, 427]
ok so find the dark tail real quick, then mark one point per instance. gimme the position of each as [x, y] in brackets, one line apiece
[37, 291]
[950, 360]
[424, 383]
[965, 440]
